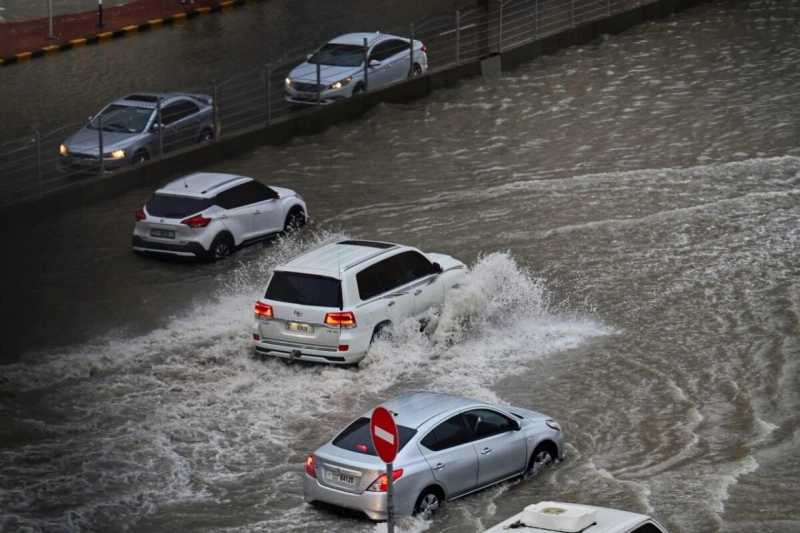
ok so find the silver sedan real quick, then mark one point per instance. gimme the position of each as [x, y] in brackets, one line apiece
[449, 447]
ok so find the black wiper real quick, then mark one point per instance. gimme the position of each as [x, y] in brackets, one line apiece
[117, 127]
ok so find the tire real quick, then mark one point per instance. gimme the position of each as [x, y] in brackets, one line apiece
[140, 157]
[221, 248]
[541, 458]
[205, 136]
[296, 219]
[428, 503]
[358, 89]
[380, 330]
[417, 70]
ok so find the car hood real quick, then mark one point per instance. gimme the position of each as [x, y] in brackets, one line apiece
[527, 414]
[307, 73]
[285, 193]
[86, 141]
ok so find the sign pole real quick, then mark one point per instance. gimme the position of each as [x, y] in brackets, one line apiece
[389, 498]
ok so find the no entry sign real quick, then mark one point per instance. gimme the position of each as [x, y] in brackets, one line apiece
[383, 431]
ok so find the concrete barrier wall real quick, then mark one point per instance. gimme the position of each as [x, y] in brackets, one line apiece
[314, 121]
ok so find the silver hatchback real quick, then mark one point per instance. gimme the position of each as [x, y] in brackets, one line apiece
[449, 447]
[132, 133]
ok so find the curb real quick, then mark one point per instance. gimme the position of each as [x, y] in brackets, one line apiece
[122, 32]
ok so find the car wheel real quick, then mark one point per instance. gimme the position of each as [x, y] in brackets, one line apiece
[416, 71]
[294, 220]
[428, 503]
[205, 136]
[358, 89]
[221, 248]
[381, 330]
[541, 458]
[140, 157]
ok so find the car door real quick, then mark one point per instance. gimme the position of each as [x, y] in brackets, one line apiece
[499, 446]
[385, 278]
[398, 60]
[237, 215]
[170, 133]
[267, 209]
[451, 457]
[187, 125]
[382, 74]
[424, 278]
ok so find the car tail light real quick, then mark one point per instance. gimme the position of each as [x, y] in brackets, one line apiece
[140, 215]
[256, 337]
[197, 221]
[424, 48]
[344, 347]
[345, 320]
[310, 470]
[382, 483]
[263, 310]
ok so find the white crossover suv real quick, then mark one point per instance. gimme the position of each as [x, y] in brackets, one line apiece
[329, 304]
[209, 215]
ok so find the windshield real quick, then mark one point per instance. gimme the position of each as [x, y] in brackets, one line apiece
[305, 289]
[123, 118]
[339, 55]
[176, 206]
[356, 437]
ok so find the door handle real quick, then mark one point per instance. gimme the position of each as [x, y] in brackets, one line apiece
[223, 216]
[485, 451]
[417, 292]
[438, 466]
[391, 303]
[257, 211]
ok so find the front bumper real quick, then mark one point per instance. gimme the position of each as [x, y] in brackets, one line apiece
[87, 162]
[372, 504]
[326, 96]
[188, 249]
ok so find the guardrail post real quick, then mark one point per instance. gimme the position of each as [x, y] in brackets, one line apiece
[411, 52]
[269, 93]
[319, 80]
[572, 12]
[50, 20]
[215, 110]
[608, 7]
[458, 37]
[535, 20]
[38, 140]
[500, 29]
[101, 150]
[160, 129]
[366, 65]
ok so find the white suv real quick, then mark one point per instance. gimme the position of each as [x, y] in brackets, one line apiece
[329, 304]
[210, 215]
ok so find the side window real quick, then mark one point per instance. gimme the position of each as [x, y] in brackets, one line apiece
[414, 265]
[483, 423]
[235, 197]
[395, 47]
[381, 51]
[262, 192]
[170, 114]
[380, 277]
[446, 435]
[647, 528]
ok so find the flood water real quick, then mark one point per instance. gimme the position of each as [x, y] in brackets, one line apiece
[630, 211]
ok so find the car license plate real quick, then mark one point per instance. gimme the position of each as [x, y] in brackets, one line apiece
[341, 478]
[162, 233]
[297, 326]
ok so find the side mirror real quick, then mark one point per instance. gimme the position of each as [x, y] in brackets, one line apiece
[155, 127]
[436, 268]
[90, 118]
[309, 56]
[374, 63]
[517, 426]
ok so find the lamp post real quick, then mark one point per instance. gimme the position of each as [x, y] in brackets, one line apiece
[100, 13]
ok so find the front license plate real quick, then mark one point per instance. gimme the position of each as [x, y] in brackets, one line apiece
[162, 233]
[297, 326]
[341, 478]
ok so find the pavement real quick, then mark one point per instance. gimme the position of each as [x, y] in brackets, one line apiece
[28, 39]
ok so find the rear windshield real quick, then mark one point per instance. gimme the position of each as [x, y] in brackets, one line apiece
[176, 206]
[305, 289]
[356, 437]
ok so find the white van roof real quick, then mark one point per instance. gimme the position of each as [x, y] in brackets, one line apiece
[333, 259]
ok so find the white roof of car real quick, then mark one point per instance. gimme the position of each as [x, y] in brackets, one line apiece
[332, 259]
[605, 520]
[202, 184]
[358, 38]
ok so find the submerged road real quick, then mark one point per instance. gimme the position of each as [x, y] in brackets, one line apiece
[630, 211]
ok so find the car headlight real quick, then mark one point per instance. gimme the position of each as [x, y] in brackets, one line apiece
[341, 83]
[117, 154]
[553, 424]
[63, 149]
[288, 81]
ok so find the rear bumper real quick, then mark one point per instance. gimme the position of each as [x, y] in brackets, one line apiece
[373, 504]
[189, 249]
[304, 353]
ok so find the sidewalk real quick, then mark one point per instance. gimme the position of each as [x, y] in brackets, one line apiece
[20, 41]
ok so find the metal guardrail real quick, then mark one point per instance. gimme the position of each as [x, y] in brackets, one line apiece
[34, 166]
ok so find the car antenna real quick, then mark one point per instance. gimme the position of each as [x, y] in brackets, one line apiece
[185, 185]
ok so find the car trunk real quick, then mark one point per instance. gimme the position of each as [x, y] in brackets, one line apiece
[345, 470]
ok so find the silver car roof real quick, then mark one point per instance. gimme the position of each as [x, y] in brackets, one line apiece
[416, 408]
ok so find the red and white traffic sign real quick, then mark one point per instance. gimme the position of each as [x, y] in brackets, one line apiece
[383, 431]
